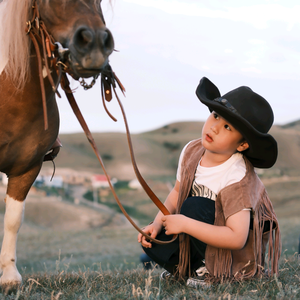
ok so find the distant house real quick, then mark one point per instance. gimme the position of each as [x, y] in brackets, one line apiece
[135, 184]
[45, 180]
[69, 176]
[57, 181]
[39, 181]
[100, 181]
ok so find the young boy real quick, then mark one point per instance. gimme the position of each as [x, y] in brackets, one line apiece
[219, 207]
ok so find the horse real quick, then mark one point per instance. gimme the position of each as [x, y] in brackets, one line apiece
[29, 117]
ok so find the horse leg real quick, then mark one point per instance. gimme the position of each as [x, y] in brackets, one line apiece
[12, 222]
[17, 190]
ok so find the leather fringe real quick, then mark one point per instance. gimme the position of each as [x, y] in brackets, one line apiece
[223, 260]
[184, 266]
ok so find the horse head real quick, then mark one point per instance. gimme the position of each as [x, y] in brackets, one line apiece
[79, 26]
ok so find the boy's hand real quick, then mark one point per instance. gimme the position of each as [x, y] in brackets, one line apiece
[173, 224]
[153, 230]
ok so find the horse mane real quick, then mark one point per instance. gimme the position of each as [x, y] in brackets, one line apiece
[15, 45]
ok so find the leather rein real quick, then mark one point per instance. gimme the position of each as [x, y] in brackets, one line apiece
[53, 57]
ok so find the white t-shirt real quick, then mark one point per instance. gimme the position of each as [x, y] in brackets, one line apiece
[209, 181]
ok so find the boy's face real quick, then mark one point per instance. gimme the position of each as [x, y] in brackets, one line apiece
[220, 137]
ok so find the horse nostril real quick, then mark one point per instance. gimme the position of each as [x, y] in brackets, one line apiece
[83, 39]
[87, 36]
[103, 35]
[106, 41]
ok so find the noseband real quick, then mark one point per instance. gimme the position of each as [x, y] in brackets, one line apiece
[54, 57]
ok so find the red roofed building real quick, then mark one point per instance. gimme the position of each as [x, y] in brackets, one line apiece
[100, 180]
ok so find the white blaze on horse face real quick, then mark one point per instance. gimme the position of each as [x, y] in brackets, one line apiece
[14, 213]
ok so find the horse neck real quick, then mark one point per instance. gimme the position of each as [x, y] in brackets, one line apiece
[29, 97]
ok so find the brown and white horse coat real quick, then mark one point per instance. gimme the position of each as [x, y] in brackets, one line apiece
[78, 25]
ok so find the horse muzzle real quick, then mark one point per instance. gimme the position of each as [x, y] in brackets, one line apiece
[89, 51]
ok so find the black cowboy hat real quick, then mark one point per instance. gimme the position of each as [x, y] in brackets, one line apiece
[250, 114]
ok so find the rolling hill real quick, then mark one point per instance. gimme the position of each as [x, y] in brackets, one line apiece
[157, 151]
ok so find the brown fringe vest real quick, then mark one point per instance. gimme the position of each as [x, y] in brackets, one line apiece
[248, 193]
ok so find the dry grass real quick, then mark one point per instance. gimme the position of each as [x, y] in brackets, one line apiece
[140, 284]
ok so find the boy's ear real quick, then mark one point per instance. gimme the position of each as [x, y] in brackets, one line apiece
[242, 147]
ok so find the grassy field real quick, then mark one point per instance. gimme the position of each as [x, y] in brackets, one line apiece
[68, 251]
[139, 284]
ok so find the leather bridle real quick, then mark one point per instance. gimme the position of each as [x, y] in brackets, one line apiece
[53, 57]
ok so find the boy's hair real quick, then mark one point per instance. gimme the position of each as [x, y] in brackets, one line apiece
[243, 140]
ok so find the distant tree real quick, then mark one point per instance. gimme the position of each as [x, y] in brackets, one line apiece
[172, 146]
[107, 156]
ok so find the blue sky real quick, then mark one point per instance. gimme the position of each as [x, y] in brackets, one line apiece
[165, 47]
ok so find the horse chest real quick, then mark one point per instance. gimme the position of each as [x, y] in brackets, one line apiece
[24, 141]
